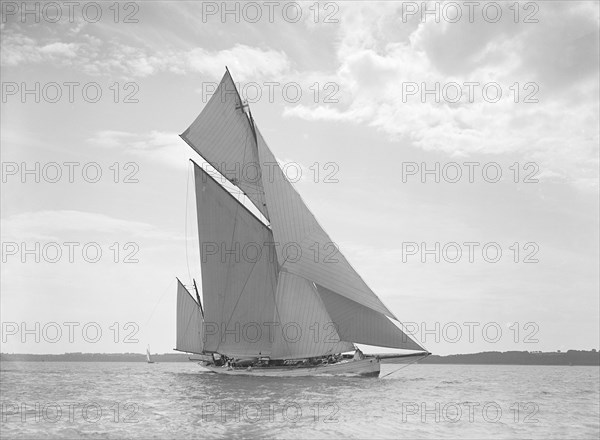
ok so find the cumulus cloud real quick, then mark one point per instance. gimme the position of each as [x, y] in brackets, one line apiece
[162, 147]
[553, 63]
[57, 225]
[247, 62]
[96, 57]
[379, 55]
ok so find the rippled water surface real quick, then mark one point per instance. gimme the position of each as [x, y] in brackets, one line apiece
[176, 400]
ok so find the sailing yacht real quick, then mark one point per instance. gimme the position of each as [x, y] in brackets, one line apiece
[276, 300]
[148, 359]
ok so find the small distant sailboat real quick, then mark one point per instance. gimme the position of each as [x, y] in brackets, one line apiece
[279, 297]
[148, 358]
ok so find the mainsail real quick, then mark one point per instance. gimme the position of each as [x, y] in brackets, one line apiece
[272, 290]
[239, 271]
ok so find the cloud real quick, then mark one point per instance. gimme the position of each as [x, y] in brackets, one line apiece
[162, 147]
[60, 49]
[554, 62]
[247, 62]
[98, 57]
[61, 225]
[20, 49]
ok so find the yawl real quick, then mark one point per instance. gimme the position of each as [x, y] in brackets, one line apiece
[275, 300]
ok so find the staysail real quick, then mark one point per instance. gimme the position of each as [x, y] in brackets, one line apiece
[307, 328]
[189, 323]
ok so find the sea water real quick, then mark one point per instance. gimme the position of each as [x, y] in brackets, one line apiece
[180, 400]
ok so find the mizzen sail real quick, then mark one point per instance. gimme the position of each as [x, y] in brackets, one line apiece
[189, 323]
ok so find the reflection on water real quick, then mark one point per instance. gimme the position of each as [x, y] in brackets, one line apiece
[175, 400]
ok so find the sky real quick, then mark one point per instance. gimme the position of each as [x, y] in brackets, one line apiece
[93, 101]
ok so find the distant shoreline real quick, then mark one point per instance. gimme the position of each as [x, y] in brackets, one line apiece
[570, 357]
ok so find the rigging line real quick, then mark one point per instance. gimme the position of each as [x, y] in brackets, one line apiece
[159, 300]
[404, 366]
[187, 197]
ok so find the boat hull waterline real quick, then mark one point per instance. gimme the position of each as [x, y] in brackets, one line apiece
[368, 367]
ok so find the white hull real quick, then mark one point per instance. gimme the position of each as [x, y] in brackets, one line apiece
[364, 367]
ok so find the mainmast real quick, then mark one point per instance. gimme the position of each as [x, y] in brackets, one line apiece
[244, 106]
[198, 298]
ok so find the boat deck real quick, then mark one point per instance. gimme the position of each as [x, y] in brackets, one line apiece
[368, 367]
